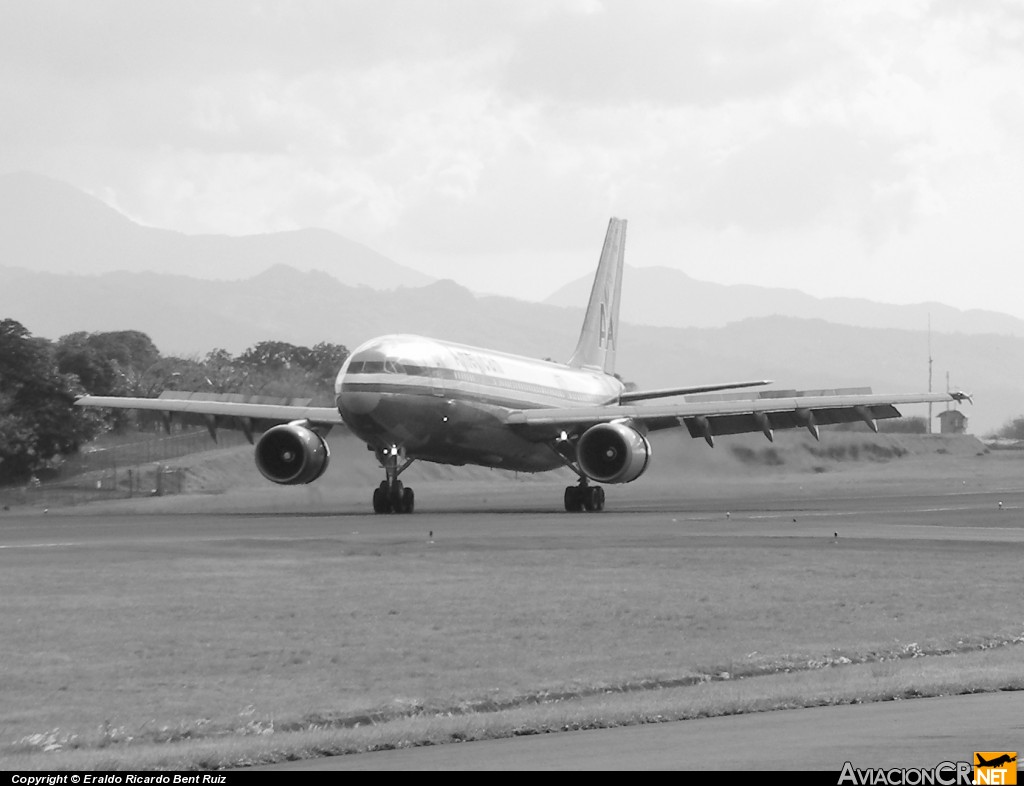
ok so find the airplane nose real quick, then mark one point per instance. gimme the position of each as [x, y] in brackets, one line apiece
[358, 402]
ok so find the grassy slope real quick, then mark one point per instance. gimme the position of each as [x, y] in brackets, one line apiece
[301, 642]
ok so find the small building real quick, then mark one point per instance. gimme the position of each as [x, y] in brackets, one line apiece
[952, 421]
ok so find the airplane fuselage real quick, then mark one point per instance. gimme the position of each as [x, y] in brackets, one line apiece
[447, 402]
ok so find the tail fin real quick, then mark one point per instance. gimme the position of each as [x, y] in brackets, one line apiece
[600, 334]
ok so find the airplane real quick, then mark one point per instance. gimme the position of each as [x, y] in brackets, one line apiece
[411, 398]
[996, 762]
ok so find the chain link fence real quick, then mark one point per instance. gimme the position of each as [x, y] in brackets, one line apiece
[142, 481]
[131, 469]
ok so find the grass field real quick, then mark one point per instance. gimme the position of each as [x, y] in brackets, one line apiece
[300, 636]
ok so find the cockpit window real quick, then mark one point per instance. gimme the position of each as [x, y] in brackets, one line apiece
[389, 366]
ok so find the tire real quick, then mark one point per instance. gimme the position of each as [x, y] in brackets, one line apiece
[397, 497]
[380, 500]
[593, 498]
[408, 501]
[573, 499]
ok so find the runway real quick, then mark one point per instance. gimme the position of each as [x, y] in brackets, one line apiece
[976, 516]
[474, 513]
[800, 516]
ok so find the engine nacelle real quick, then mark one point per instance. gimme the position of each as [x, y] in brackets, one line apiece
[613, 453]
[291, 454]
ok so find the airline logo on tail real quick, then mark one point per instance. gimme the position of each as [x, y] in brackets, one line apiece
[596, 347]
[607, 338]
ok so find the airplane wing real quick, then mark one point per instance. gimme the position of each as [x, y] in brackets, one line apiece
[643, 395]
[710, 418]
[281, 413]
[219, 413]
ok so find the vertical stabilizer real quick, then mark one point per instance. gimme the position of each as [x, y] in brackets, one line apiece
[600, 334]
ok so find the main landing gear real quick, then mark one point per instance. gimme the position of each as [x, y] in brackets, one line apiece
[584, 497]
[391, 496]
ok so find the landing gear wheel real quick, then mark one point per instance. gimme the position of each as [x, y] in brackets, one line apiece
[593, 498]
[588, 498]
[408, 501]
[395, 497]
[381, 501]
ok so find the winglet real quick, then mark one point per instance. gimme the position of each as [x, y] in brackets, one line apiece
[600, 333]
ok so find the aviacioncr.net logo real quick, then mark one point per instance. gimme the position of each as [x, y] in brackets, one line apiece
[946, 773]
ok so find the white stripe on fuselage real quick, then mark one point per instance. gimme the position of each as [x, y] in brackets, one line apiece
[472, 374]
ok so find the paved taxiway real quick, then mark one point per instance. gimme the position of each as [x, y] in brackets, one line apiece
[916, 733]
[920, 733]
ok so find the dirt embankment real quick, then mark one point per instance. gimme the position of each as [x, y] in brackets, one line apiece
[674, 452]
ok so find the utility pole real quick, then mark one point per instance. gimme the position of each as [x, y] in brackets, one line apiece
[929, 370]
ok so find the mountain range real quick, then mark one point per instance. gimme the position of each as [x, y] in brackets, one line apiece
[190, 315]
[49, 226]
[670, 298]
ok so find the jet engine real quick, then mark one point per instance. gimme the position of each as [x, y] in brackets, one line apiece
[291, 454]
[613, 453]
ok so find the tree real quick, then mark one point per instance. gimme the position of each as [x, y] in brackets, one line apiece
[127, 348]
[75, 355]
[115, 363]
[326, 361]
[37, 418]
[274, 356]
[1012, 429]
[277, 368]
[107, 364]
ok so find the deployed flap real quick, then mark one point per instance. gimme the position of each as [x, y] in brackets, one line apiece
[600, 334]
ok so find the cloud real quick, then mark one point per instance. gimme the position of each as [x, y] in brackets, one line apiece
[463, 127]
[801, 176]
[667, 54]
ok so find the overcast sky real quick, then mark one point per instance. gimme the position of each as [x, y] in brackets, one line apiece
[856, 148]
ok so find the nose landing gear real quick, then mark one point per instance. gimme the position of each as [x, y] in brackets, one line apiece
[391, 496]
